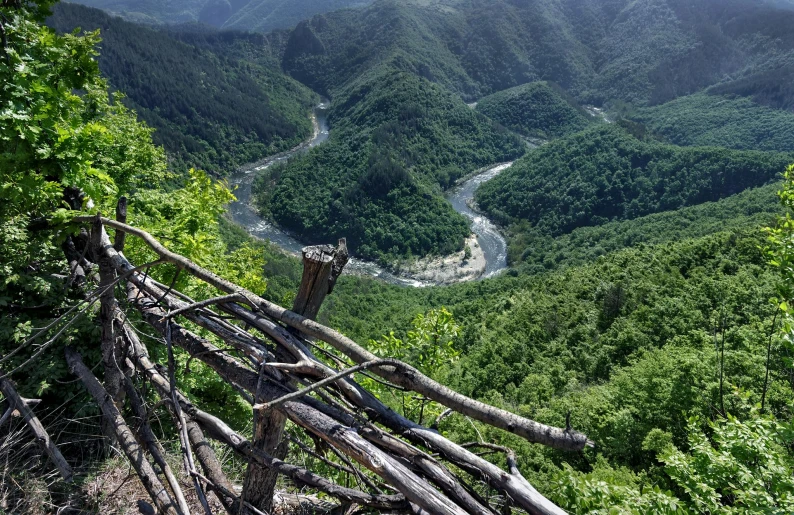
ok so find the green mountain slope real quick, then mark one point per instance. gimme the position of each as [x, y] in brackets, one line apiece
[605, 174]
[267, 15]
[534, 251]
[259, 15]
[623, 345]
[537, 109]
[396, 141]
[641, 52]
[210, 111]
[716, 120]
[150, 11]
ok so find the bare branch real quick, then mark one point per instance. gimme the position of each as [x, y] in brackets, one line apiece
[319, 384]
[124, 435]
[204, 303]
[42, 438]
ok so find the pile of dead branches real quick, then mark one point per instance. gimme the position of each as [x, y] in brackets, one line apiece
[280, 367]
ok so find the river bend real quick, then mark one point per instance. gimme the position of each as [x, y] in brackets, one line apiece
[461, 197]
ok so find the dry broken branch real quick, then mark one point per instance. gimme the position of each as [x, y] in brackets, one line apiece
[15, 401]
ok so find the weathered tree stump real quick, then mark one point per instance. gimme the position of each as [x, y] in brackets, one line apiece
[322, 265]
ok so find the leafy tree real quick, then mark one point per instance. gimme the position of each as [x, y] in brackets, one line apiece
[744, 466]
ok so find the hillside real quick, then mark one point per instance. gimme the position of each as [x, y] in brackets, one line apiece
[210, 111]
[537, 109]
[259, 15]
[396, 141]
[716, 120]
[638, 52]
[533, 251]
[606, 174]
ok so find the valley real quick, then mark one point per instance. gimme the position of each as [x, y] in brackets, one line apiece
[567, 284]
[487, 246]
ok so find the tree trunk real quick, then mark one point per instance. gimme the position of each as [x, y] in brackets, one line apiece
[321, 267]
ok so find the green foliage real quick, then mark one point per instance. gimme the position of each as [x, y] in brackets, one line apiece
[429, 346]
[214, 109]
[606, 174]
[742, 466]
[732, 122]
[396, 141]
[779, 255]
[60, 133]
[538, 109]
[534, 251]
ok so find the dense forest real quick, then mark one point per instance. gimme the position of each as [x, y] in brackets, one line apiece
[537, 109]
[607, 173]
[716, 120]
[397, 140]
[210, 111]
[638, 52]
[647, 305]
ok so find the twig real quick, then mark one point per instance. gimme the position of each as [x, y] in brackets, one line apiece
[444, 414]
[205, 303]
[42, 438]
[768, 358]
[187, 454]
[319, 384]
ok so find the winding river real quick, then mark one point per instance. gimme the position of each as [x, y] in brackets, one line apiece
[489, 238]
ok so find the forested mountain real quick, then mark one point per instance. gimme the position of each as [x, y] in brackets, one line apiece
[537, 109]
[582, 46]
[640, 52]
[210, 111]
[396, 141]
[717, 120]
[607, 173]
[260, 15]
[267, 15]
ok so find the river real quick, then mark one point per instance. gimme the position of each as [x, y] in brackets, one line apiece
[489, 238]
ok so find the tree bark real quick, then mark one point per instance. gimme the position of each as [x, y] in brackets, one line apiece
[319, 265]
[121, 216]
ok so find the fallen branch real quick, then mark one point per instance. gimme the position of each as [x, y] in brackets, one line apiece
[124, 435]
[319, 384]
[403, 375]
[234, 297]
[222, 432]
[155, 449]
[15, 401]
[181, 423]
